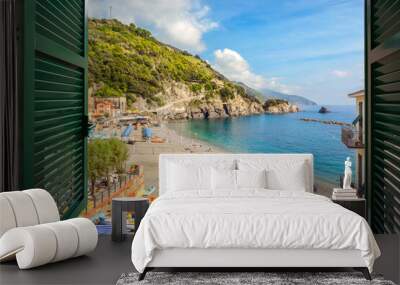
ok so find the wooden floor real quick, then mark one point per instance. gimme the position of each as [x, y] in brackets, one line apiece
[103, 266]
[110, 260]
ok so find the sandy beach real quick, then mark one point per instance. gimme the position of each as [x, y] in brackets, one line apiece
[147, 153]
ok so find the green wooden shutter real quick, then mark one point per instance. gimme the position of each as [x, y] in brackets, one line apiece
[383, 114]
[54, 101]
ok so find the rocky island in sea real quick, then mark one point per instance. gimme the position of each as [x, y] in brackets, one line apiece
[323, 110]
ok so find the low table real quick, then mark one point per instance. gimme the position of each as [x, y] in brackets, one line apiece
[357, 205]
[120, 207]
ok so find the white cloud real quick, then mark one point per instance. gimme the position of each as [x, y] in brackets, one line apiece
[181, 23]
[341, 73]
[231, 64]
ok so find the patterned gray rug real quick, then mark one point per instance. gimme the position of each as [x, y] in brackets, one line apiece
[243, 278]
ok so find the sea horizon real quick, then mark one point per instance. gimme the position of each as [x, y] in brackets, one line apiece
[280, 133]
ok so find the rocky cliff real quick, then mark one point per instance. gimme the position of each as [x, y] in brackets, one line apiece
[183, 103]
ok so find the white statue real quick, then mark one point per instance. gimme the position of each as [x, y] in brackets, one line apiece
[347, 174]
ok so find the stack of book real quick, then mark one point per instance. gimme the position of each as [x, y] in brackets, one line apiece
[342, 194]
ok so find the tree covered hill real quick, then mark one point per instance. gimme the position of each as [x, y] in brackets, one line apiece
[125, 60]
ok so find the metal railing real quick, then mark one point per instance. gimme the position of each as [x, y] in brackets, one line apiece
[352, 137]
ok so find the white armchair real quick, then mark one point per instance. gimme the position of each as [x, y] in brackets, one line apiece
[31, 230]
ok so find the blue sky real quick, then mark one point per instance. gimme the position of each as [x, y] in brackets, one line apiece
[313, 48]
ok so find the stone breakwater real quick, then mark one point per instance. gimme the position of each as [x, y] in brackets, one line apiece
[326, 122]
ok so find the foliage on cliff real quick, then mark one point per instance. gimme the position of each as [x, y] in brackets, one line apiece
[279, 106]
[275, 102]
[128, 60]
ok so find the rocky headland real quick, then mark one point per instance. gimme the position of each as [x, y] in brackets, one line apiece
[279, 106]
[163, 81]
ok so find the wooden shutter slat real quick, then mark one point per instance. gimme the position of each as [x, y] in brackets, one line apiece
[61, 69]
[390, 87]
[390, 66]
[387, 97]
[388, 78]
[55, 138]
[57, 166]
[54, 77]
[50, 15]
[47, 19]
[387, 135]
[61, 14]
[387, 21]
[44, 152]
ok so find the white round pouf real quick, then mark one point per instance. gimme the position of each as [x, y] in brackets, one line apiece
[67, 240]
[87, 234]
[33, 246]
[31, 233]
[46, 207]
[23, 208]
[7, 218]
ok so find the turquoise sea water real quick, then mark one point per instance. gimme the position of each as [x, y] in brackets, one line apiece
[284, 133]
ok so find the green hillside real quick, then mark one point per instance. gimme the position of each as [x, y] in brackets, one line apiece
[125, 60]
